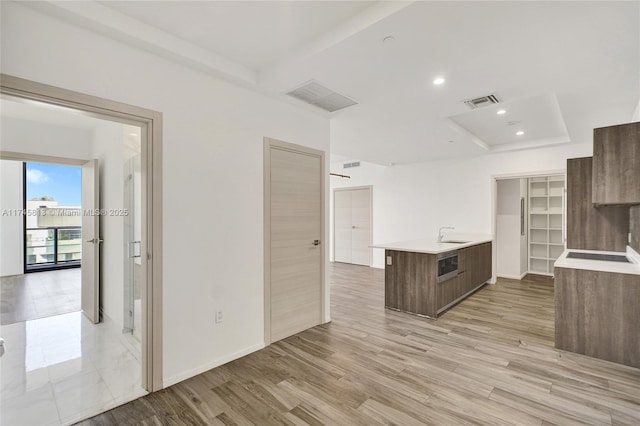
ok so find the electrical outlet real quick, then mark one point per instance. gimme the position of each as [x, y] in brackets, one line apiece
[219, 317]
[389, 261]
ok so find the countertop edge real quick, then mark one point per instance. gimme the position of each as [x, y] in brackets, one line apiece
[600, 265]
[403, 246]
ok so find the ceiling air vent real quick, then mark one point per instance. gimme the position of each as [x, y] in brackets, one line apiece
[350, 165]
[482, 101]
[316, 94]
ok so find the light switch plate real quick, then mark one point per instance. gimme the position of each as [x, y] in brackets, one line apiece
[388, 260]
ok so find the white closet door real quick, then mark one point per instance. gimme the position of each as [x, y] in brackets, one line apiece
[342, 226]
[361, 226]
[352, 226]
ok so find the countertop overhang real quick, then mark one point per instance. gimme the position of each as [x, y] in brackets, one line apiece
[633, 267]
[430, 246]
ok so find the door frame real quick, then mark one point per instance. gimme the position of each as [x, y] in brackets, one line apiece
[270, 143]
[333, 219]
[494, 208]
[151, 124]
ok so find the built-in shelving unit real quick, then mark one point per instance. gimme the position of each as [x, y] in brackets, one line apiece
[546, 222]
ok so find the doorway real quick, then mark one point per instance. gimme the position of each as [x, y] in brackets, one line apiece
[352, 225]
[149, 250]
[529, 223]
[294, 229]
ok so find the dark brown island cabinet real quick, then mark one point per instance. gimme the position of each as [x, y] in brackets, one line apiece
[616, 164]
[598, 314]
[411, 279]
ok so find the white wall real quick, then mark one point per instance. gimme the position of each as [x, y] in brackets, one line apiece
[412, 201]
[30, 137]
[108, 149]
[508, 238]
[212, 175]
[11, 220]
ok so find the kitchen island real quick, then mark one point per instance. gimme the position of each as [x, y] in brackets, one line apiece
[426, 277]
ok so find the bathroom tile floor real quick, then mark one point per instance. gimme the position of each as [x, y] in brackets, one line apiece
[62, 369]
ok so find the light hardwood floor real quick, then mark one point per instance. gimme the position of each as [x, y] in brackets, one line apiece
[488, 360]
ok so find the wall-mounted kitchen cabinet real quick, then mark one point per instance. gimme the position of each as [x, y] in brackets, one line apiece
[589, 227]
[616, 164]
[546, 221]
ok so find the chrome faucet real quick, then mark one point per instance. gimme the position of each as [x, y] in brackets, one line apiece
[440, 234]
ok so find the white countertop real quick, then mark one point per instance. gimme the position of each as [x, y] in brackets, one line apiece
[601, 265]
[431, 246]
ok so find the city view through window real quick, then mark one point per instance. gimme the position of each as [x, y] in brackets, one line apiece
[53, 216]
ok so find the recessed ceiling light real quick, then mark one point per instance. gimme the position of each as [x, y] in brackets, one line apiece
[438, 81]
[520, 132]
[501, 111]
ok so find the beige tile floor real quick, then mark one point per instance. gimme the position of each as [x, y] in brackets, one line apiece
[39, 294]
[62, 369]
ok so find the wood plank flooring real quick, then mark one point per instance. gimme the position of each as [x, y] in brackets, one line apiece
[488, 360]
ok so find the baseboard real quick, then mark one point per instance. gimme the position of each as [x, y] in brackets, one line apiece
[170, 381]
[512, 277]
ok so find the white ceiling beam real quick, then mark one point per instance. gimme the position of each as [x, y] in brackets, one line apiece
[363, 20]
[97, 17]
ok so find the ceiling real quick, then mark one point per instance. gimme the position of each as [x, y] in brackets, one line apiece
[40, 112]
[69, 118]
[559, 68]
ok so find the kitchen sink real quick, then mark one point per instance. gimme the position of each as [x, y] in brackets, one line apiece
[598, 256]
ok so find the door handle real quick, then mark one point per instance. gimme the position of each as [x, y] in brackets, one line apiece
[316, 242]
[95, 240]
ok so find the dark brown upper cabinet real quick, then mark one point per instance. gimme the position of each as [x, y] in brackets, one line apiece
[616, 164]
[590, 227]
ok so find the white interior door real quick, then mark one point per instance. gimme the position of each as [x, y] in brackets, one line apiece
[361, 226]
[342, 226]
[91, 240]
[295, 241]
[352, 226]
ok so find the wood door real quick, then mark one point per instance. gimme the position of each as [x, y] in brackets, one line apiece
[295, 250]
[90, 281]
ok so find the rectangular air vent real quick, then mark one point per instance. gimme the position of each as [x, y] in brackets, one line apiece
[316, 94]
[350, 165]
[482, 101]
